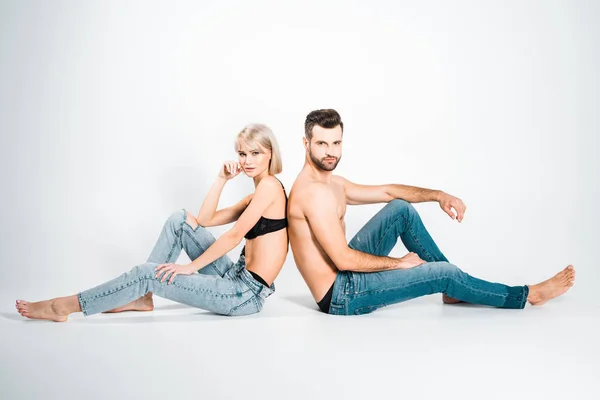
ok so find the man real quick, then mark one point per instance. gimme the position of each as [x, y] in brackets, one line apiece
[359, 277]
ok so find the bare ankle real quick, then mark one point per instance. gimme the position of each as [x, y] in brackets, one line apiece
[57, 307]
[533, 295]
[65, 305]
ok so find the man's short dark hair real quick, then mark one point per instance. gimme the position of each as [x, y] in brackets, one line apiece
[326, 118]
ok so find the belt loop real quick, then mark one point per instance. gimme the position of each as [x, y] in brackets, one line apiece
[263, 292]
[347, 283]
[350, 277]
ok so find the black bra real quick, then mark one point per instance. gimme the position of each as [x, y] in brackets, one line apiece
[267, 225]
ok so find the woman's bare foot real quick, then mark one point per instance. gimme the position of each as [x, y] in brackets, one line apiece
[553, 287]
[41, 310]
[144, 303]
[450, 300]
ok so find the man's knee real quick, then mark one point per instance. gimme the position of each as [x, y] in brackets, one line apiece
[446, 269]
[400, 206]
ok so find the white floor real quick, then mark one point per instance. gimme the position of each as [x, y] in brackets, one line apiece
[416, 350]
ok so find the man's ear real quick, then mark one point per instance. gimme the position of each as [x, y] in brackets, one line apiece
[305, 142]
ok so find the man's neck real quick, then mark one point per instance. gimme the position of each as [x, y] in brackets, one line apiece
[315, 172]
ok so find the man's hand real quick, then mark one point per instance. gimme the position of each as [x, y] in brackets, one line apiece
[449, 202]
[173, 269]
[410, 260]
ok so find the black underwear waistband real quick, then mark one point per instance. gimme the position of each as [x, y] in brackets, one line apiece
[258, 278]
[326, 300]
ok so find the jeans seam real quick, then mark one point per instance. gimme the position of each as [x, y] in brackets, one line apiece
[180, 229]
[233, 309]
[416, 239]
[386, 232]
[194, 240]
[414, 236]
[429, 280]
[133, 282]
[216, 294]
[202, 249]
[171, 251]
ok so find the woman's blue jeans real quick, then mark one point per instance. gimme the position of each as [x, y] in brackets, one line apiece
[221, 287]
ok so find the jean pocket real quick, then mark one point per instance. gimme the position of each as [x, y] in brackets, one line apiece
[250, 306]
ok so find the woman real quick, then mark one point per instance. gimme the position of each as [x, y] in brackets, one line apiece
[220, 285]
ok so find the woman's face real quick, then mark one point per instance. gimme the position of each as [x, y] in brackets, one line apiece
[254, 161]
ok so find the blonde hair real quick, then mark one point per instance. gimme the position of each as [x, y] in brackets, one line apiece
[259, 134]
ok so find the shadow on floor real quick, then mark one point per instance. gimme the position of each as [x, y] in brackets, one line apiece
[305, 301]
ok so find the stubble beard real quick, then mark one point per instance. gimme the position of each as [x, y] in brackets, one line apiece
[321, 164]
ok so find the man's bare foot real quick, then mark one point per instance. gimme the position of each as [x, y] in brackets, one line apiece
[450, 300]
[41, 310]
[551, 288]
[144, 303]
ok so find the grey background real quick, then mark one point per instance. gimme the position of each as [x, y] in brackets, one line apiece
[114, 114]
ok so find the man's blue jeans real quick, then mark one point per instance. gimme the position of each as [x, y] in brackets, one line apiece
[364, 292]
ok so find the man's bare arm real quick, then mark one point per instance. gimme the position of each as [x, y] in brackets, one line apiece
[370, 194]
[320, 209]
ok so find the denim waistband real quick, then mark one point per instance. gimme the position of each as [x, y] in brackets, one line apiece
[257, 288]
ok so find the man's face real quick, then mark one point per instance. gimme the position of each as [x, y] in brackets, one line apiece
[325, 147]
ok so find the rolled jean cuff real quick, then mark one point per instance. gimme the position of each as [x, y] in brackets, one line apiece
[82, 304]
[517, 297]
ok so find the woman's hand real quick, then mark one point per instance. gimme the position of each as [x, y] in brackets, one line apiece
[173, 269]
[230, 169]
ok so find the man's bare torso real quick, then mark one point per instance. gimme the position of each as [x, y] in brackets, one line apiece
[314, 264]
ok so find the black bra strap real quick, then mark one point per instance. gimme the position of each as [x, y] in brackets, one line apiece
[283, 187]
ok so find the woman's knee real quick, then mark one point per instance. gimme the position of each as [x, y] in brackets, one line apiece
[176, 219]
[190, 220]
[179, 217]
[146, 270]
